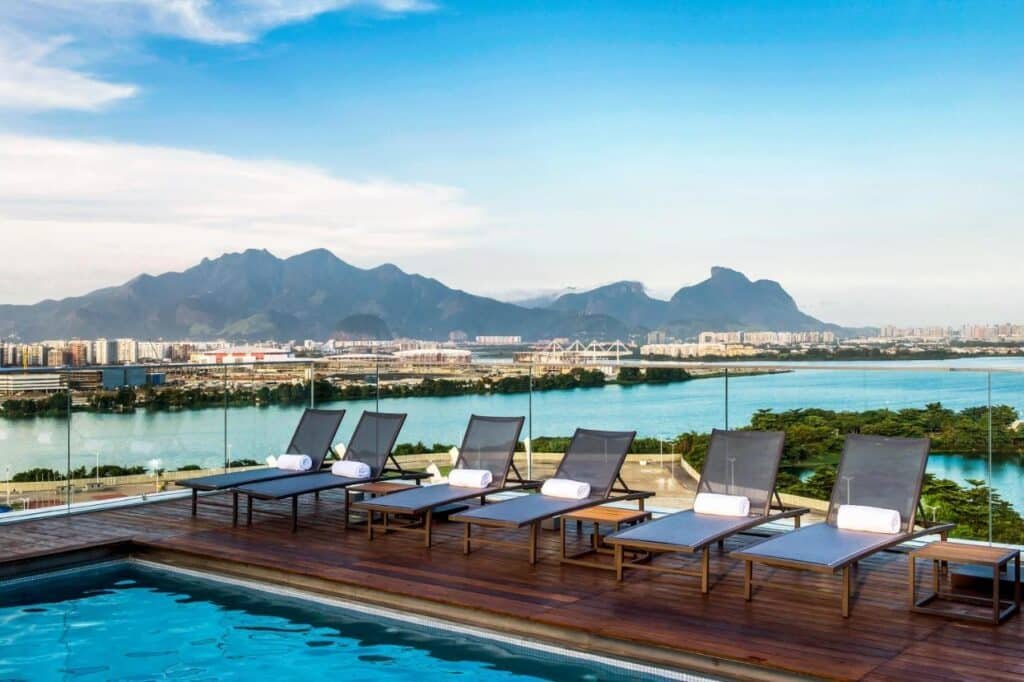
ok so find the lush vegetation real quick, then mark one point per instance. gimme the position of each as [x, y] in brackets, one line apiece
[814, 440]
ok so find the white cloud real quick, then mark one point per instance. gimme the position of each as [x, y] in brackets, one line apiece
[104, 212]
[34, 33]
[206, 21]
[29, 79]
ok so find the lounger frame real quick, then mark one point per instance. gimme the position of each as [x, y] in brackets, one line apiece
[395, 471]
[648, 551]
[617, 491]
[259, 475]
[421, 519]
[848, 566]
[645, 551]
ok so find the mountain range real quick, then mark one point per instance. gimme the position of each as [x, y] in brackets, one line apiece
[256, 295]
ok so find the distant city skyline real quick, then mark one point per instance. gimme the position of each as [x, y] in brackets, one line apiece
[865, 155]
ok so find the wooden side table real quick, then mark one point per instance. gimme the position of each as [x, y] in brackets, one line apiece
[995, 558]
[373, 489]
[616, 517]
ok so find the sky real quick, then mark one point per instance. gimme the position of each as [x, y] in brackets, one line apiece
[866, 155]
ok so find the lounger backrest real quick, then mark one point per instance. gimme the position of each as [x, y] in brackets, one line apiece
[881, 472]
[595, 457]
[490, 443]
[315, 434]
[373, 439]
[743, 463]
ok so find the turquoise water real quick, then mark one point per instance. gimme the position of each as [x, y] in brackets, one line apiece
[198, 437]
[133, 623]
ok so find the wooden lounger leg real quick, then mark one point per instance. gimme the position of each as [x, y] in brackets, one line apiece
[428, 523]
[705, 569]
[295, 513]
[234, 509]
[195, 501]
[533, 542]
[465, 538]
[248, 510]
[619, 553]
[561, 535]
[748, 577]
[996, 604]
[796, 521]
[846, 591]
[721, 545]
[344, 518]
[369, 524]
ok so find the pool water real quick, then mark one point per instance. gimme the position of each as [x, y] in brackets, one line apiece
[129, 622]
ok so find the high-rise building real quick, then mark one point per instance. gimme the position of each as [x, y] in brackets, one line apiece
[79, 353]
[152, 350]
[127, 351]
[54, 357]
[102, 352]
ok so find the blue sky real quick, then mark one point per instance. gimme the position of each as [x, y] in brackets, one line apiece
[865, 154]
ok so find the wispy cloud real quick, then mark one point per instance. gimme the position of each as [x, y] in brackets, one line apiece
[30, 78]
[136, 208]
[36, 34]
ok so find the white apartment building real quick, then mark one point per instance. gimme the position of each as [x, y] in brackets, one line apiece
[103, 352]
[127, 351]
[152, 350]
[499, 340]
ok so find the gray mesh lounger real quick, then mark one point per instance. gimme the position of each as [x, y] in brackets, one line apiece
[738, 463]
[874, 471]
[314, 436]
[489, 443]
[371, 443]
[595, 457]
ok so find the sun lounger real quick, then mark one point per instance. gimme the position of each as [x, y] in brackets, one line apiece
[593, 457]
[875, 471]
[738, 463]
[314, 436]
[371, 443]
[489, 444]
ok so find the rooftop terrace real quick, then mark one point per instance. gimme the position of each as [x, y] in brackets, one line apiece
[792, 627]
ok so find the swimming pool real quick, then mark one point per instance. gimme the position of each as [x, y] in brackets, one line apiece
[126, 621]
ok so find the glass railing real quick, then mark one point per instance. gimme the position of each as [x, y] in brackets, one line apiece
[77, 438]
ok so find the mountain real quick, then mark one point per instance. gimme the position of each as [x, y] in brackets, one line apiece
[255, 295]
[726, 301]
[626, 301]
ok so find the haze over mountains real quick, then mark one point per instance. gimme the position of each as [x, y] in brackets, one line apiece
[256, 295]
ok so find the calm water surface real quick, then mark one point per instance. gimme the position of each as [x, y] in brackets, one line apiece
[131, 623]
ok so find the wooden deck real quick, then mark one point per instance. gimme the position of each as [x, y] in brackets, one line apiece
[785, 631]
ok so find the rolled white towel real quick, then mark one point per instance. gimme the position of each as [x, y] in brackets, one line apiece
[869, 519]
[294, 462]
[565, 487]
[351, 469]
[470, 478]
[718, 504]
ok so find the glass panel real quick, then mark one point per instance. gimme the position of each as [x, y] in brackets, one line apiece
[34, 439]
[670, 407]
[138, 428]
[817, 407]
[266, 401]
[1007, 462]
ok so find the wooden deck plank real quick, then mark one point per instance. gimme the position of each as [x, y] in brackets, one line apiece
[793, 624]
